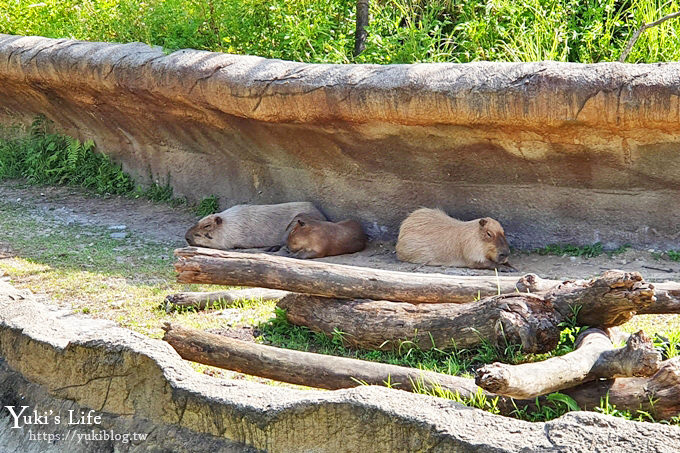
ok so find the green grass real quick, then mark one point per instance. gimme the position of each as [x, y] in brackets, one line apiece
[400, 31]
[586, 251]
[208, 205]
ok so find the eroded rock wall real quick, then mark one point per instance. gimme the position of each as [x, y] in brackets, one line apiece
[557, 152]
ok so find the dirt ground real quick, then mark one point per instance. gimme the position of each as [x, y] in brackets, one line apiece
[167, 225]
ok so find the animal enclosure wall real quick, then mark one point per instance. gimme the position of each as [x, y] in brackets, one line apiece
[556, 152]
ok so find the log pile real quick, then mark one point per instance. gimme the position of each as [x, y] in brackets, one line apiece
[379, 309]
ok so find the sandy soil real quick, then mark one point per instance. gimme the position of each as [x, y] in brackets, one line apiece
[165, 224]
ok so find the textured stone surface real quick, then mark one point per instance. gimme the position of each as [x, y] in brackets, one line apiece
[555, 151]
[54, 360]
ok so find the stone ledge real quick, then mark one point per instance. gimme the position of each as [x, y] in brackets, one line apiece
[53, 359]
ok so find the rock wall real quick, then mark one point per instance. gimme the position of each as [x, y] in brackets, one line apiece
[557, 152]
[53, 362]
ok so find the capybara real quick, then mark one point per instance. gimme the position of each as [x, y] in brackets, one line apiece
[431, 237]
[312, 238]
[249, 226]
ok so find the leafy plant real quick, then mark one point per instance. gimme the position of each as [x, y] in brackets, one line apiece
[586, 251]
[208, 205]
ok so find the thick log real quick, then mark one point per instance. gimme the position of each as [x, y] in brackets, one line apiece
[521, 319]
[667, 293]
[658, 395]
[201, 265]
[304, 368]
[220, 299]
[605, 301]
[595, 357]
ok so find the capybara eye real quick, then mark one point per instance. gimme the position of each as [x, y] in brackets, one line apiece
[488, 233]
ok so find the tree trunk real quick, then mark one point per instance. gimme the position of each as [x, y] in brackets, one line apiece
[360, 33]
[608, 300]
[521, 319]
[659, 394]
[304, 368]
[200, 265]
[594, 358]
[667, 293]
[220, 299]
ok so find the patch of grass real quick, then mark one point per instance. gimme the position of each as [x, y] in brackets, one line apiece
[585, 251]
[208, 205]
[673, 255]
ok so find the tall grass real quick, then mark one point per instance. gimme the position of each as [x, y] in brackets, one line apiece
[400, 31]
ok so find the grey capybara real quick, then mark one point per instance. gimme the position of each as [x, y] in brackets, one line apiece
[249, 226]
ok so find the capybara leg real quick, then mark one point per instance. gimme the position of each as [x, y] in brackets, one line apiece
[283, 251]
[274, 248]
[507, 267]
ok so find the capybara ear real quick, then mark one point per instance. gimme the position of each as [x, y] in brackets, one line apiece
[301, 223]
[482, 222]
[218, 220]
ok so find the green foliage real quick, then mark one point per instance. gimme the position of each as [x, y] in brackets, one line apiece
[208, 205]
[673, 255]
[400, 31]
[45, 158]
[586, 251]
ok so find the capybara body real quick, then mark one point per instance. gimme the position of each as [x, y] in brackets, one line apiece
[312, 238]
[431, 237]
[249, 226]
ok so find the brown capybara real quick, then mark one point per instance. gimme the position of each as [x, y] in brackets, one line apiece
[249, 226]
[312, 238]
[431, 237]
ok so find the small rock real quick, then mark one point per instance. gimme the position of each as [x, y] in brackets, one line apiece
[572, 258]
[121, 235]
[118, 227]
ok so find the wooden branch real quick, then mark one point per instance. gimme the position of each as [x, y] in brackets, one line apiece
[608, 300]
[636, 35]
[360, 33]
[658, 395]
[521, 319]
[220, 299]
[303, 368]
[201, 265]
[594, 357]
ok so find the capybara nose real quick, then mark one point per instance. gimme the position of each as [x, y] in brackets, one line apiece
[502, 257]
[189, 239]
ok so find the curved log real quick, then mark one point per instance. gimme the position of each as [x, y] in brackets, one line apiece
[594, 358]
[521, 319]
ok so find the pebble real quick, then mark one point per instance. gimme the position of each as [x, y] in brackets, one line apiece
[121, 235]
[118, 227]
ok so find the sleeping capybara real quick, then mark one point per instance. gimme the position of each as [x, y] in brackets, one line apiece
[431, 237]
[249, 226]
[312, 238]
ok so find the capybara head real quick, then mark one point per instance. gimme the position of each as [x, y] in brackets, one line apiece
[297, 232]
[206, 232]
[497, 248]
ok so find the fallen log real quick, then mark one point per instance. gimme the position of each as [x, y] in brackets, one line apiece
[658, 395]
[594, 357]
[220, 299]
[304, 368]
[201, 265]
[667, 293]
[521, 319]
